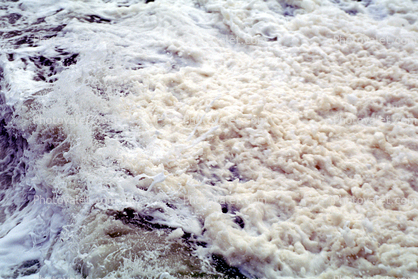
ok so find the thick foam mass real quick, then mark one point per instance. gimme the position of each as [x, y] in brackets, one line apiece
[176, 138]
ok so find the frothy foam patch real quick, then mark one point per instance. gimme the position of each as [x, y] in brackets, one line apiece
[258, 139]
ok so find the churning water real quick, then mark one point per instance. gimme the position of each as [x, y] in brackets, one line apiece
[208, 139]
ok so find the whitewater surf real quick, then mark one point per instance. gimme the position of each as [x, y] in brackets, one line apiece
[208, 139]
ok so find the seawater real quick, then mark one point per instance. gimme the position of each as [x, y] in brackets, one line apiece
[208, 139]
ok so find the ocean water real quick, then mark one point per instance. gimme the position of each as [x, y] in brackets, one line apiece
[208, 139]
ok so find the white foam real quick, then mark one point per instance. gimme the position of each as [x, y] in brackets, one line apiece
[194, 110]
